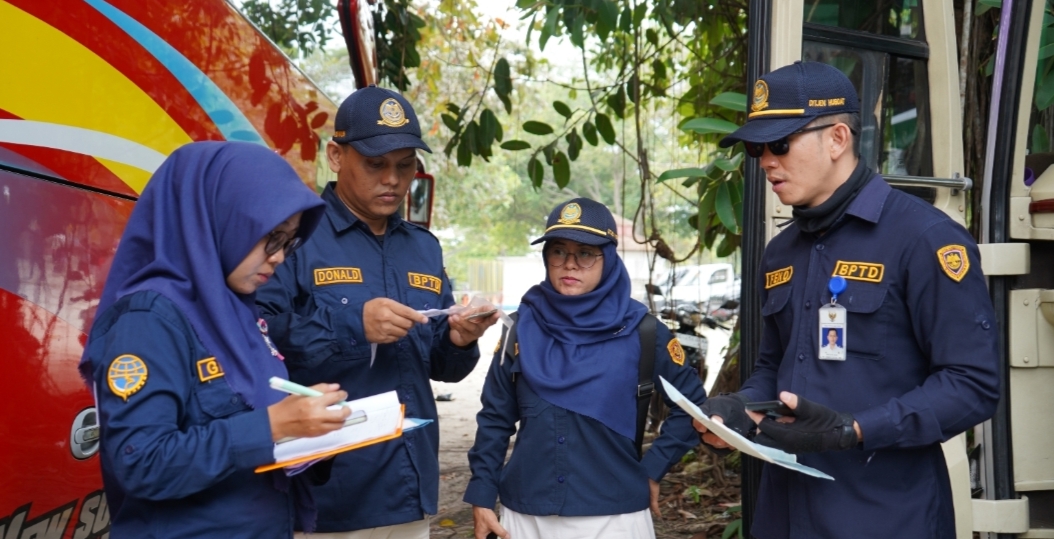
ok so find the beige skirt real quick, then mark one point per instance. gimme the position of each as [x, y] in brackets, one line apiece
[626, 526]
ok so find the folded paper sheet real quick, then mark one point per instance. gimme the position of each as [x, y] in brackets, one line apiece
[765, 453]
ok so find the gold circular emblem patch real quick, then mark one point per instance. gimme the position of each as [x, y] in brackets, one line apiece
[392, 114]
[571, 214]
[761, 96]
[126, 375]
[676, 352]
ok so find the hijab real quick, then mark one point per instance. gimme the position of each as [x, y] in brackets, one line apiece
[202, 212]
[581, 352]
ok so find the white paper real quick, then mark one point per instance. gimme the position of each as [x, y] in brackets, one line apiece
[736, 440]
[383, 414]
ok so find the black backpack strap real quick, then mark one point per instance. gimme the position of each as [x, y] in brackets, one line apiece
[509, 346]
[645, 384]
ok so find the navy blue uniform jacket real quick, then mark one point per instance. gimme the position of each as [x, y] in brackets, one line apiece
[566, 463]
[921, 366]
[178, 455]
[313, 307]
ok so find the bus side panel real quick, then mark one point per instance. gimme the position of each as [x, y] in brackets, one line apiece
[56, 246]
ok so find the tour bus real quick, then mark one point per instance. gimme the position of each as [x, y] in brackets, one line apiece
[94, 94]
[904, 59]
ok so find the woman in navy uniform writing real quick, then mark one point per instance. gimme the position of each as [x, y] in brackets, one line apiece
[180, 364]
[571, 381]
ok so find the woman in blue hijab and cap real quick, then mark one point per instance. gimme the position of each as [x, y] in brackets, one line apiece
[570, 379]
[179, 363]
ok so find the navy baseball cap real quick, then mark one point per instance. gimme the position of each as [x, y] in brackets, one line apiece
[583, 220]
[791, 97]
[376, 121]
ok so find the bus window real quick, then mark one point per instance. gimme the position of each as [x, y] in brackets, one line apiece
[901, 18]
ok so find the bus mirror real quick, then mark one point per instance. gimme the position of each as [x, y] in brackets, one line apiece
[419, 199]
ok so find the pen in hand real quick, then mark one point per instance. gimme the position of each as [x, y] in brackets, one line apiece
[294, 388]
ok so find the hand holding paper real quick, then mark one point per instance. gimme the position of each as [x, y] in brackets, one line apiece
[767, 454]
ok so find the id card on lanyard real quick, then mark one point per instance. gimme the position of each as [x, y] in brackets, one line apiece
[833, 326]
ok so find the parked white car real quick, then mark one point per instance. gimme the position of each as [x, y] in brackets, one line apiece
[705, 285]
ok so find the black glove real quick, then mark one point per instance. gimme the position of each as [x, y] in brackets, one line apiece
[730, 408]
[815, 428]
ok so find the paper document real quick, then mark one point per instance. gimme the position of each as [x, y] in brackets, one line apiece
[374, 419]
[736, 440]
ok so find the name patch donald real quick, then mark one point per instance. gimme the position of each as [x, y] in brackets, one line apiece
[208, 369]
[425, 282]
[778, 277]
[860, 271]
[324, 276]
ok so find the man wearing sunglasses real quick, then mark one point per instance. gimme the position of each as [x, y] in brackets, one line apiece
[902, 284]
[345, 308]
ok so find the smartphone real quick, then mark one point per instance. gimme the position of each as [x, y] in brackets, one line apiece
[481, 314]
[770, 407]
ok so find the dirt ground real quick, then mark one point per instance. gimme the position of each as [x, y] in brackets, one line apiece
[695, 495]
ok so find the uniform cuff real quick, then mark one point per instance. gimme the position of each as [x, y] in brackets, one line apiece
[479, 494]
[251, 442]
[876, 427]
[654, 465]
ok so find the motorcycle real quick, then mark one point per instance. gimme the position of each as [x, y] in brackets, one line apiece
[684, 319]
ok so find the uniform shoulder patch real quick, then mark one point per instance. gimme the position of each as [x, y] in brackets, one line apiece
[209, 369]
[954, 261]
[675, 350]
[126, 375]
[778, 277]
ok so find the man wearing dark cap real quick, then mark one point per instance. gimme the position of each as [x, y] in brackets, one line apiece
[345, 308]
[902, 284]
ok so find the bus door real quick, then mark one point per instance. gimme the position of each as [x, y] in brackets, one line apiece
[1018, 222]
[901, 57]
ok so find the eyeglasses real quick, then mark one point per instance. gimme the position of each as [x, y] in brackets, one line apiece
[557, 257]
[781, 146]
[280, 241]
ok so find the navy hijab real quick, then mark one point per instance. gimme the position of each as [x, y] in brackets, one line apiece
[581, 352]
[202, 212]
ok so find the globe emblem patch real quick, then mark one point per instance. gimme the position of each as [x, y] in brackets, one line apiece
[571, 214]
[126, 375]
[392, 114]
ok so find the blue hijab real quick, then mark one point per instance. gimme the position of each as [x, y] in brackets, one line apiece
[201, 213]
[581, 352]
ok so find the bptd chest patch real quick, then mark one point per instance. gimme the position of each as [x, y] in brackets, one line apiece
[860, 271]
[209, 369]
[324, 276]
[954, 261]
[675, 350]
[778, 277]
[425, 282]
[126, 376]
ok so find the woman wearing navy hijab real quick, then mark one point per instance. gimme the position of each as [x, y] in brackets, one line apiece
[179, 363]
[570, 380]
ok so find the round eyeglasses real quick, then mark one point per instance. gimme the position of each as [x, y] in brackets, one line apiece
[280, 241]
[557, 257]
[781, 146]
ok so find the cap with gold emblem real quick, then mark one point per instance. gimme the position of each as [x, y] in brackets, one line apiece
[790, 98]
[583, 220]
[376, 121]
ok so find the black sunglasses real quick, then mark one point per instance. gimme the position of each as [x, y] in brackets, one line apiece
[781, 146]
[280, 241]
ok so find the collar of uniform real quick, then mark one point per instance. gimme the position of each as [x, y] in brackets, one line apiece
[342, 218]
[868, 204]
